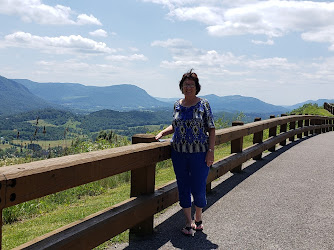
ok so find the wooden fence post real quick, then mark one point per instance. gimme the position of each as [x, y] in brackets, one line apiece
[323, 122]
[258, 138]
[292, 126]
[306, 123]
[312, 123]
[143, 182]
[236, 146]
[300, 125]
[318, 122]
[1, 228]
[283, 129]
[272, 132]
[3, 189]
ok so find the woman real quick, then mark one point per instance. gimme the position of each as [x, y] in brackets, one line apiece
[192, 148]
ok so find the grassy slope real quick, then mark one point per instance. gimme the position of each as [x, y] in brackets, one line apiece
[27, 229]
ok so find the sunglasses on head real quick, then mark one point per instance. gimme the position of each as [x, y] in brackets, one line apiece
[190, 75]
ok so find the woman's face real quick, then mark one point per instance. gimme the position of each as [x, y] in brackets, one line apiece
[189, 88]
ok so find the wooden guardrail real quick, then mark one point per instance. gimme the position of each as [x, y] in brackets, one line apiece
[329, 107]
[24, 182]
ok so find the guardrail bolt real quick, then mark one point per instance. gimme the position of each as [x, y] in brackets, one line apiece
[12, 183]
[12, 197]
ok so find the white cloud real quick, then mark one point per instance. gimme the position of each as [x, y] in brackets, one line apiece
[271, 63]
[36, 11]
[74, 66]
[268, 42]
[273, 18]
[72, 70]
[321, 35]
[134, 49]
[123, 58]
[84, 19]
[223, 64]
[204, 14]
[61, 44]
[172, 43]
[99, 32]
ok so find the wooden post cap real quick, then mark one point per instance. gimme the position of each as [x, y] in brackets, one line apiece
[237, 123]
[143, 138]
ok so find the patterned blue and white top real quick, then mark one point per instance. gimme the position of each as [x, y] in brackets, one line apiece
[191, 126]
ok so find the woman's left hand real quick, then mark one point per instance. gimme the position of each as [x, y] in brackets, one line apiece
[209, 158]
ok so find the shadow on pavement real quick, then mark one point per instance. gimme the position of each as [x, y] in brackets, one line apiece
[170, 229]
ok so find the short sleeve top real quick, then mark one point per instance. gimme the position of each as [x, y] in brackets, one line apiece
[191, 126]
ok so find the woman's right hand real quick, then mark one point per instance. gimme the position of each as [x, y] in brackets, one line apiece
[158, 136]
[166, 131]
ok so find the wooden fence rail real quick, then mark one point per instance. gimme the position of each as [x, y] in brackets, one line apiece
[25, 182]
[329, 107]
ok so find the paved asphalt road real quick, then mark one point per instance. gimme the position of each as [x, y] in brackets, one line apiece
[285, 201]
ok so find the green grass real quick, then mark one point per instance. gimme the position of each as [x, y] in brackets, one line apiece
[29, 220]
[311, 109]
[41, 122]
[25, 230]
[44, 144]
[4, 146]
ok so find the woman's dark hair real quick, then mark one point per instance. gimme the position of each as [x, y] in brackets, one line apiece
[192, 76]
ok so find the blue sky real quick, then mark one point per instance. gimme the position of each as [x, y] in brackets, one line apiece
[281, 52]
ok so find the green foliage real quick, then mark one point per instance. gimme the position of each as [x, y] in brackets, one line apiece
[17, 98]
[311, 109]
[224, 121]
[109, 119]
[50, 202]
[51, 124]
[103, 139]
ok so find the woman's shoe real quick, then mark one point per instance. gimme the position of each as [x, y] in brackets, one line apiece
[188, 231]
[198, 226]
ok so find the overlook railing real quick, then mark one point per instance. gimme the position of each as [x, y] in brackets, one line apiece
[329, 107]
[25, 182]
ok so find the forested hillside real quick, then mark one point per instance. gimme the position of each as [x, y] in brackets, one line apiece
[106, 119]
[16, 98]
[123, 97]
[52, 124]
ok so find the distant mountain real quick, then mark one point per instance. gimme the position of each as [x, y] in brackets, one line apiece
[168, 100]
[89, 98]
[320, 102]
[16, 98]
[237, 103]
[127, 97]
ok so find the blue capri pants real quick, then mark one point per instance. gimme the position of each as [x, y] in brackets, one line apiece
[191, 173]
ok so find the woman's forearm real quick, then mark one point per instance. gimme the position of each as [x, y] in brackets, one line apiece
[212, 138]
[166, 131]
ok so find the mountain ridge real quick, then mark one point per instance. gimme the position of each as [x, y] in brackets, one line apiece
[15, 98]
[93, 98]
[126, 97]
[123, 97]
